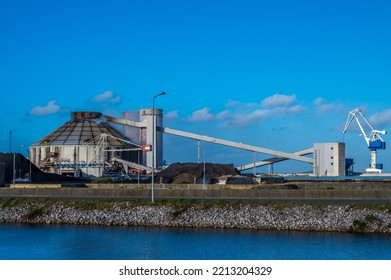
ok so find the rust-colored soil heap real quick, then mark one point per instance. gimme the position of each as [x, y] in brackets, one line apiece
[190, 173]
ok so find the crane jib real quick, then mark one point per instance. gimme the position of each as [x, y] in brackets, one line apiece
[373, 141]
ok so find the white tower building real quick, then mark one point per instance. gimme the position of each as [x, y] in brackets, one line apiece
[144, 135]
[329, 159]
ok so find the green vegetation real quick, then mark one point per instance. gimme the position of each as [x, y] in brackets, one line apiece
[14, 202]
[181, 203]
[8, 203]
[102, 180]
[35, 212]
[90, 205]
[371, 218]
[374, 206]
[179, 211]
[358, 226]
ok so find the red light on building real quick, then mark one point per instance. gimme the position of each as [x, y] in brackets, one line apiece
[146, 148]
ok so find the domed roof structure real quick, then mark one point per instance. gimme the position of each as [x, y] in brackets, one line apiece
[83, 128]
[82, 146]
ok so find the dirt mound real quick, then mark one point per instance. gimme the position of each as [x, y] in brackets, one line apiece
[184, 178]
[190, 173]
[22, 169]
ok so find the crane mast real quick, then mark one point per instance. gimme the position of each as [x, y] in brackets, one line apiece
[373, 140]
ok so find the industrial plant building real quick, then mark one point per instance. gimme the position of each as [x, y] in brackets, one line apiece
[91, 142]
[329, 159]
[143, 135]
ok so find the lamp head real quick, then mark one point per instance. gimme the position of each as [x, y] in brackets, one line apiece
[160, 93]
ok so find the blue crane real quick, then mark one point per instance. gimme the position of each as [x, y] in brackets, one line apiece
[373, 139]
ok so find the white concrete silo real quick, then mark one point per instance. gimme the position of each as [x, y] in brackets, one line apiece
[76, 148]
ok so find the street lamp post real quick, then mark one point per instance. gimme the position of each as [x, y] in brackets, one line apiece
[153, 144]
[13, 164]
[10, 141]
[138, 173]
[204, 164]
[30, 159]
[13, 170]
[205, 160]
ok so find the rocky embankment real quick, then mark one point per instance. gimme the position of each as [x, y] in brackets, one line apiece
[340, 218]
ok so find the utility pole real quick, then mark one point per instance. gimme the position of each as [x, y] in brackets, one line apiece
[154, 146]
[10, 141]
[199, 151]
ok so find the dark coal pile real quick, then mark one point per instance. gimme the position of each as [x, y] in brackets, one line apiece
[22, 167]
[191, 173]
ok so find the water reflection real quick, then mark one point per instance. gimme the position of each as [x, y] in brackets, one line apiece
[46, 242]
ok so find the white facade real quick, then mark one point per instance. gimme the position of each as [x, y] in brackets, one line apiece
[69, 160]
[329, 159]
[133, 133]
[145, 135]
[80, 147]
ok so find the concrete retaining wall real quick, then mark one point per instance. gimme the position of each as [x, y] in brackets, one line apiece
[33, 186]
[299, 194]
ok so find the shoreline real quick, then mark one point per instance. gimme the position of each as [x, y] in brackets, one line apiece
[236, 215]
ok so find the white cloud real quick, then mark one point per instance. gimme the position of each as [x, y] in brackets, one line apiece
[241, 119]
[240, 114]
[322, 106]
[277, 105]
[381, 119]
[232, 103]
[244, 119]
[329, 107]
[278, 100]
[282, 111]
[222, 115]
[201, 115]
[107, 97]
[116, 99]
[204, 115]
[50, 109]
[319, 101]
[258, 114]
[103, 96]
[172, 115]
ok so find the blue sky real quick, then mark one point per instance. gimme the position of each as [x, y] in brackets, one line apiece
[276, 74]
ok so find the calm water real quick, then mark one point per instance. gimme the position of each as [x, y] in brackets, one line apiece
[62, 242]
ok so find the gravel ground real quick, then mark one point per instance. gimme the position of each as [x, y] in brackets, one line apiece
[337, 218]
